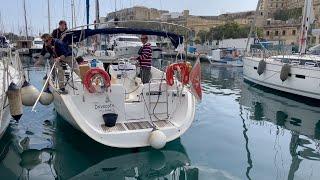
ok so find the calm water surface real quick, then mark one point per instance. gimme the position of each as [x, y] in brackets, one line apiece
[240, 132]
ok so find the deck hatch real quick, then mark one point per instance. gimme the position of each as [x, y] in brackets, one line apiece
[138, 125]
[163, 124]
[118, 127]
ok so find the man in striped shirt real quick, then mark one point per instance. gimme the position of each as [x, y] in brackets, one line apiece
[144, 58]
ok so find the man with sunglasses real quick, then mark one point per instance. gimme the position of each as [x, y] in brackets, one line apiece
[144, 59]
[62, 54]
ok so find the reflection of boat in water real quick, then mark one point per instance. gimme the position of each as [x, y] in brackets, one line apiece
[287, 113]
[17, 161]
[222, 77]
[78, 157]
[301, 119]
[143, 165]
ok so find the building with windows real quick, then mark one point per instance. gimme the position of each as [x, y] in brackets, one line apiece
[281, 20]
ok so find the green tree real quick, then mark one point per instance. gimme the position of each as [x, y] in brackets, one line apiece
[227, 31]
[202, 35]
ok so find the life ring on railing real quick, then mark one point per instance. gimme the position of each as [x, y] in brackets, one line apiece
[93, 72]
[183, 68]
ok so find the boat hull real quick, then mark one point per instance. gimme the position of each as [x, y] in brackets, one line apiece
[85, 117]
[303, 81]
[5, 120]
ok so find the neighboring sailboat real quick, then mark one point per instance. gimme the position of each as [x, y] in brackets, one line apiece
[11, 79]
[296, 74]
[121, 111]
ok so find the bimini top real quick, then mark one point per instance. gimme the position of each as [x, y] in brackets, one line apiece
[80, 35]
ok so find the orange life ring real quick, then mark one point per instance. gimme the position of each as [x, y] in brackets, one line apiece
[184, 70]
[93, 72]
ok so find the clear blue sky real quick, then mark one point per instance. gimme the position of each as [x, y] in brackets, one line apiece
[12, 18]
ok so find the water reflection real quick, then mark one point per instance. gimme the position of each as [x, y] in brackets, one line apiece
[80, 157]
[302, 120]
[221, 80]
[75, 156]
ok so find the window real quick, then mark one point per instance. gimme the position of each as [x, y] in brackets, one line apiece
[283, 32]
[293, 32]
[268, 33]
[268, 22]
[276, 33]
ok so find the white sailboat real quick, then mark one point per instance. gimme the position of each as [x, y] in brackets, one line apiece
[146, 114]
[10, 72]
[296, 74]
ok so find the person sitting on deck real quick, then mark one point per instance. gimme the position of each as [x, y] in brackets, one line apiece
[144, 59]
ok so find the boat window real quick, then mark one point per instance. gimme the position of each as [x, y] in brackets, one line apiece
[310, 64]
[38, 42]
[129, 39]
[295, 62]
[300, 76]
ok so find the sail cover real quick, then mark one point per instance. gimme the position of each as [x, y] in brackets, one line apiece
[80, 35]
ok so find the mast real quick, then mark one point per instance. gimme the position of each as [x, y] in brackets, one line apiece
[97, 12]
[72, 13]
[307, 20]
[25, 18]
[253, 24]
[49, 23]
[88, 7]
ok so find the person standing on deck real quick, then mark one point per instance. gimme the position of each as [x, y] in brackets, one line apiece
[62, 54]
[56, 34]
[144, 59]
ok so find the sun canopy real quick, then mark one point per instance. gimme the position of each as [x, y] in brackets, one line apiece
[80, 35]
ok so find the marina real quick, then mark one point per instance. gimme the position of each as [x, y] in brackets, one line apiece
[146, 93]
[257, 130]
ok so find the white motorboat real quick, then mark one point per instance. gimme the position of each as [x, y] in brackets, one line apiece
[37, 46]
[10, 72]
[125, 45]
[146, 114]
[296, 74]
[226, 56]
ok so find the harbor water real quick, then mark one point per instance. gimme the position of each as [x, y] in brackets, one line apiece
[241, 131]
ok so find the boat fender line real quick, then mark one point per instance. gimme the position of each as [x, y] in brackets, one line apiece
[285, 71]
[261, 67]
[15, 101]
[183, 68]
[94, 72]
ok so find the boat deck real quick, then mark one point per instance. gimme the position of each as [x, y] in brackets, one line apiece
[131, 126]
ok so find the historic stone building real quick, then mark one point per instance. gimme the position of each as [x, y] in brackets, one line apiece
[196, 23]
[287, 30]
[136, 13]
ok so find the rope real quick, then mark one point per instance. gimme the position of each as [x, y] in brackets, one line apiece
[255, 84]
